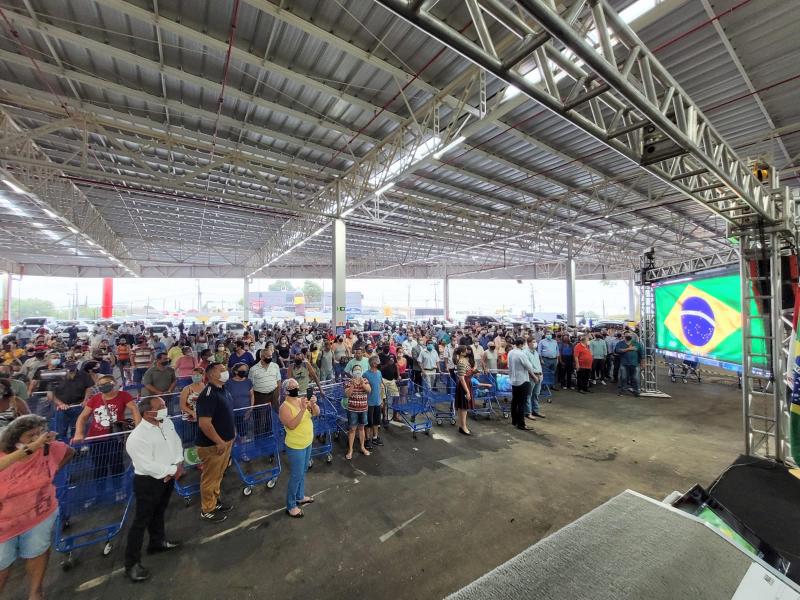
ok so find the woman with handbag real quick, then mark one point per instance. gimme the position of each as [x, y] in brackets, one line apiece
[107, 412]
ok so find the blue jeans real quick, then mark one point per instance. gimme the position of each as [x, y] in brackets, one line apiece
[629, 377]
[298, 465]
[532, 403]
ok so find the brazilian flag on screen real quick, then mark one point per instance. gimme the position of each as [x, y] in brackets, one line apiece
[703, 317]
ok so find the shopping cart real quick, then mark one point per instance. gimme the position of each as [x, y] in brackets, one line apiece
[437, 392]
[94, 492]
[410, 407]
[688, 370]
[188, 485]
[484, 398]
[63, 422]
[326, 424]
[256, 452]
[548, 381]
[502, 390]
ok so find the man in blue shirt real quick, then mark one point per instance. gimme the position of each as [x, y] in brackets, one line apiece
[214, 441]
[548, 352]
[375, 378]
[566, 362]
[631, 356]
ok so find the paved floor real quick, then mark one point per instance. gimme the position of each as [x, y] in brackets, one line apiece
[421, 518]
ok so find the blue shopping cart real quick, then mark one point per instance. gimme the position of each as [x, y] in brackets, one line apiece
[63, 422]
[326, 424]
[438, 391]
[95, 493]
[548, 381]
[502, 390]
[188, 485]
[256, 452]
[414, 410]
[484, 398]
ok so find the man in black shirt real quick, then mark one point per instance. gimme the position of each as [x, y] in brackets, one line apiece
[214, 441]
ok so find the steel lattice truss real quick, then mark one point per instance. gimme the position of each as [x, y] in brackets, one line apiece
[219, 139]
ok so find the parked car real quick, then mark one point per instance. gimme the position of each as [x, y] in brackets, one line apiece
[35, 323]
[607, 324]
[63, 327]
[482, 320]
[235, 328]
[159, 330]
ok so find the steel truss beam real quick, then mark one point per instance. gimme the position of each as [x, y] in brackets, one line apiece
[541, 271]
[594, 72]
[62, 199]
[727, 258]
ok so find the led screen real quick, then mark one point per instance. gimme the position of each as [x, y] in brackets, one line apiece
[703, 317]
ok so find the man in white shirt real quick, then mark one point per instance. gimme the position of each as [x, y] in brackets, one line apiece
[532, 404]
[156, 452]
[429, 361]
[520, 371]
[266, 377]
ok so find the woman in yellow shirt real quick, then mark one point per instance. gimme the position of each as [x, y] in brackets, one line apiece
[295, 414]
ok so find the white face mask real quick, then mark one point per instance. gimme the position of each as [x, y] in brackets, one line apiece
[356, 373]
[161, 414]
[223, 377]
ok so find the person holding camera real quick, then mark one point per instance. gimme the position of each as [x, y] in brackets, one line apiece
[156, 452]
[29, 460]
[295, 414]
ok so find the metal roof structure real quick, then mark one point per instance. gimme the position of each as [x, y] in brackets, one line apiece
[219, 138]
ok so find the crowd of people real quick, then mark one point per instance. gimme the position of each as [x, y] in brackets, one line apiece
[212, 373]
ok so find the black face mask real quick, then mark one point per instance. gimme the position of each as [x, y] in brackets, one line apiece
[628, 339]
[241, 373]
[267, 359]
[293, 392]
[298, 361]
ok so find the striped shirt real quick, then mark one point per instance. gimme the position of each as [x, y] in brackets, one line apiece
[142, 358]
[265, 379]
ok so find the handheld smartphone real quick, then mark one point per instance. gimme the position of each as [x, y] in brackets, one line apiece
[309, 392]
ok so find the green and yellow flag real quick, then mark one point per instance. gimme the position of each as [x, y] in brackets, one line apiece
[703, 318]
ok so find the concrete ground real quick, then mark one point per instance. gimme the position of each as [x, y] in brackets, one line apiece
[422, 518]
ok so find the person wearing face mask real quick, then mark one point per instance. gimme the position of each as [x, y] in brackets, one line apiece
[156, 452]
[631, 356]
[221, 355]
[29, 460]
[160, 378]
[48, 375]
[11, 405]
[239, 387]
[284, 351]
[295, 414]
[104, 409]
[429, 362]
[301, 370]
[216, 431]
[189, 394]
[356, 392]
[266, 376]
[548, 352]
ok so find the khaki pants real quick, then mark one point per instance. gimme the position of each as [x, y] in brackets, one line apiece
[214, 466]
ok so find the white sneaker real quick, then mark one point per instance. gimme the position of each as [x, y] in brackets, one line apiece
[602, 382]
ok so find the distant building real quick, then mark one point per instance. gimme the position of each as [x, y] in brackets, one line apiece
[261, 303]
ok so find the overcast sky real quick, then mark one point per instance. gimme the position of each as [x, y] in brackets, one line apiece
[473, 295]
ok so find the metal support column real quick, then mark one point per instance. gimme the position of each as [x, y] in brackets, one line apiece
[570, 271]
[647, 334]
[446, 297]
[5, 319]
[338, 302]
[246, 300]
[631, 298]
